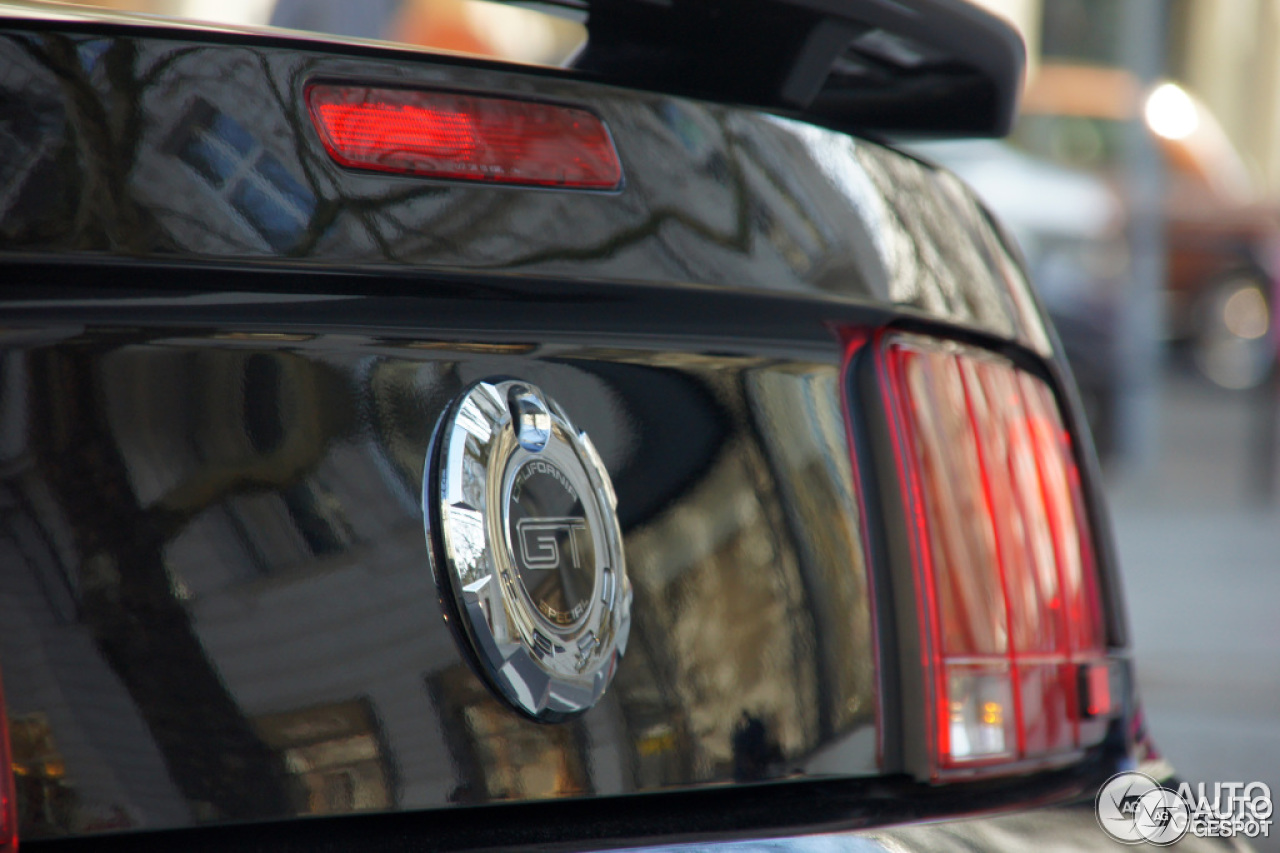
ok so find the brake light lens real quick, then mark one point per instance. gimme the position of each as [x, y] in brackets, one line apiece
[8, 790]
[464, 137]
[1010, 609]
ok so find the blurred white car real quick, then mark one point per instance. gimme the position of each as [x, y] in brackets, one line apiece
[1069, 224]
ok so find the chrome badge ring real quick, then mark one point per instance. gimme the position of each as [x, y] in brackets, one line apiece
[521, 515]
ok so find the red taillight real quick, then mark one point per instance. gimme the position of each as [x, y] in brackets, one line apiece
[1009, 602]
[464, 137]
[8, 793]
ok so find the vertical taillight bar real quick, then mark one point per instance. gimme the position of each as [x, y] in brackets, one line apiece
[1008, 601]
[8, 792]
[963, 604]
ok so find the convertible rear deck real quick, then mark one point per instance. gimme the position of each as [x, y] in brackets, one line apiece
[231, 353]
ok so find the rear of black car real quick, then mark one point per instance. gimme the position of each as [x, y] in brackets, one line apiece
[408, 451]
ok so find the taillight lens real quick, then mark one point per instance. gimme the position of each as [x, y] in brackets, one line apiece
[1009, 602]
[8, 793]
[464, 137]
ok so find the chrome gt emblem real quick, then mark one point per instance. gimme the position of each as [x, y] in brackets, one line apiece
[521, 518]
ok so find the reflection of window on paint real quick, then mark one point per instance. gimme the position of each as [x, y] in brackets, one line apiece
[498, 755]
[47, 804]
[333, 755]
[316, 512]
[246, 176]
[91, 51]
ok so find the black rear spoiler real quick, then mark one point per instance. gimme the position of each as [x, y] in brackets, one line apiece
[896, 68]
[930, 68]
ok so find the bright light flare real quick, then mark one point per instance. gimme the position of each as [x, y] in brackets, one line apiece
[1246, 314]
[1171, 113]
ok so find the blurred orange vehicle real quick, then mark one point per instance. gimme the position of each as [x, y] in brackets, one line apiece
[1222, 262]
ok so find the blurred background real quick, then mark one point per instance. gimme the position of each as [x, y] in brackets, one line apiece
[1142, 182]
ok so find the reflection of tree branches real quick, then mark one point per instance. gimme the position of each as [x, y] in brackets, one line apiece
[128, 604]
[620, 240]
[738, 238]
[452, 227]
[799, 212]
[198, 223]
[811, 631]
[372, 213]
[318, 405]
[327, 209]
[108, 122]
[376, 215]
[393, 220]
[103, 139]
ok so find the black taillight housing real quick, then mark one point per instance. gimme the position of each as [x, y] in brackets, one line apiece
[1008, 607]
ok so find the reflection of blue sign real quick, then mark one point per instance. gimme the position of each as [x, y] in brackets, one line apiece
[251, 180]
[540, 540]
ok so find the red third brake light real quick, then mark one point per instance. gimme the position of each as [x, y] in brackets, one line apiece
[1009, 602]
[464, 137]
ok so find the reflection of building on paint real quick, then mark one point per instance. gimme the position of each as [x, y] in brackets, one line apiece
[499, 756]
[296, 562]
[333, 755]
[45, 800]
[725, 581]
[239, 172]
[83, 758]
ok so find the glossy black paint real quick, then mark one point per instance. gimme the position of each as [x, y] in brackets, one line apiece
[854, 816]
[221, 531]
[214, 414]
[939, 67]
[133, 145]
